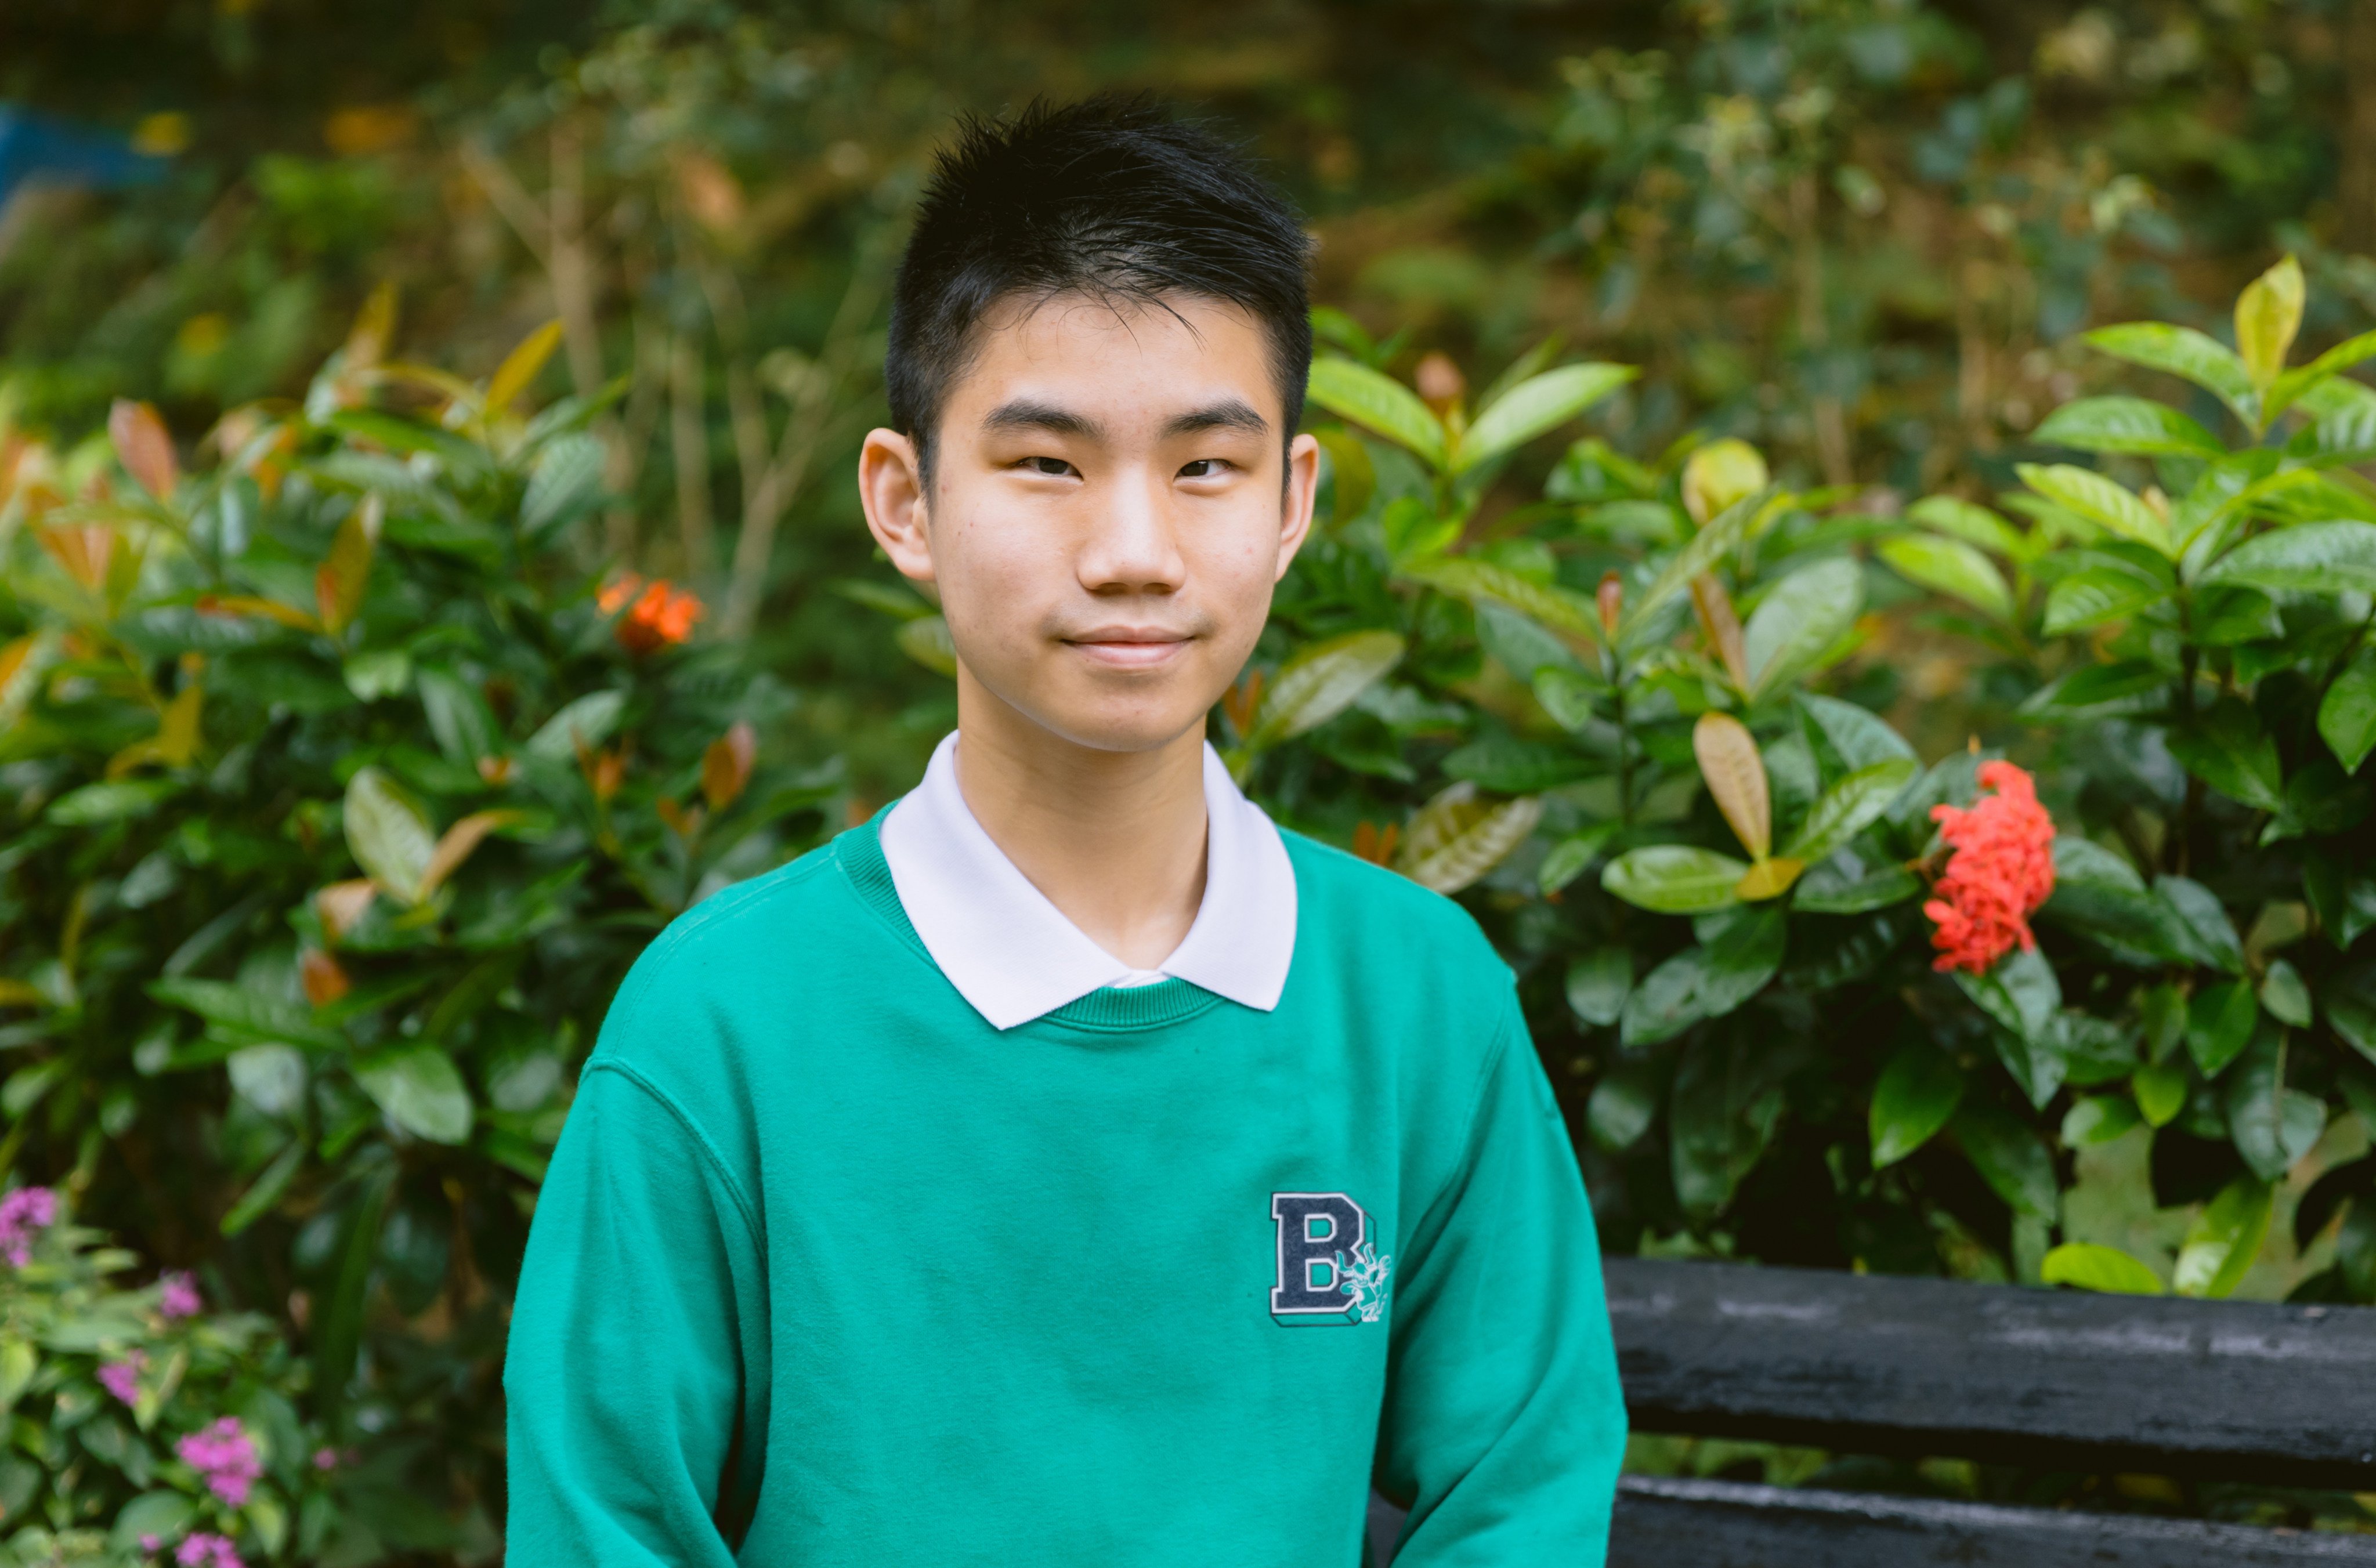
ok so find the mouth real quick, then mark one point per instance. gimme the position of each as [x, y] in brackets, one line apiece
[1131, 648]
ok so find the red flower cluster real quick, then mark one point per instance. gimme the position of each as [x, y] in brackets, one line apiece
[657, 614]
[2003, 868]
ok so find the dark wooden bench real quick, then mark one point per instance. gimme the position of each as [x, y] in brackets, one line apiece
[2046, 1379]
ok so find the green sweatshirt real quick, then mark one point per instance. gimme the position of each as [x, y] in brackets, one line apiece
[828, 1271]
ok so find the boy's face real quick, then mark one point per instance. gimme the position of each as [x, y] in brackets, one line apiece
[1113, 500]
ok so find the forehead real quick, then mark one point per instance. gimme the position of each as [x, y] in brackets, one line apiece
[1123, 360]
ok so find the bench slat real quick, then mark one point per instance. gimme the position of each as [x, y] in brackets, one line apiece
[1662, 1523]
[2047, 1378]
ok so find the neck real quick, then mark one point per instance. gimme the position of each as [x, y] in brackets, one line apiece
[1115, 839]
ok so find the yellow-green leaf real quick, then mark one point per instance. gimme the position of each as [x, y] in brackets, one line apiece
[2225, 1238]
[2268, 314]
[1719, 474]
[1952, 567]
[519, 367]
[1769, 879]
[389, 837]
[1458, 838]
[2091, 1267]
[2106, 503]
[926, 640]
[1320, 681]
[1675, 879]
[1534, 405]
[1377, 402]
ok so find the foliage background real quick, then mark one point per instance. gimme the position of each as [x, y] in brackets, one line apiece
[1864, 235]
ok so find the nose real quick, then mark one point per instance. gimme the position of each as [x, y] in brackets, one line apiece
[1133, 546]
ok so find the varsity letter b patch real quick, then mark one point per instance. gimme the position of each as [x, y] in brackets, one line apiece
[1329, 1270]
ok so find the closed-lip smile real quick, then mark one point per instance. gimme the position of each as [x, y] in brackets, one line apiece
[1130, 648]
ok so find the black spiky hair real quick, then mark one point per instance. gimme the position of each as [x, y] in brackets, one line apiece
[1111, 197]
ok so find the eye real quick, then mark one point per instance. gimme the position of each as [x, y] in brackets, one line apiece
[1055, 468]
[1206, 468]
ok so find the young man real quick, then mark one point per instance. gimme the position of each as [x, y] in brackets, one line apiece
[1068, 1167]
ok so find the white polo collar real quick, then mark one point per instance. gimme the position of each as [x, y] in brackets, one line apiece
[1014, 956]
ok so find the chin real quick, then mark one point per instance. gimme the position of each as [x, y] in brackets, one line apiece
[1115, 721]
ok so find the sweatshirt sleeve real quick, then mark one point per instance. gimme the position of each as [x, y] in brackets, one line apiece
[1504, 1424]
[635, 1376]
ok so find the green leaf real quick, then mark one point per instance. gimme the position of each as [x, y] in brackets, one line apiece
[2109, 588]
[2219, 1022]
[1847, 808]
[458, 716]
[1833, 888]
[2184, 352]
[1624, 1105]
[1912, 1099]
[1722, 1113]
[2349, 998]
[2097, 1118]
[2011, 1159]
[2212, 933]
[1481, 582]
[2296, 384]
[2333, 557]
[1973, 525]
[1568, 858]
[1699, 553]
[1533, 406]
[2161, 1093]
[2284, 994]
[2271, 1126]
[422, 1091]
[2127, 425]
[1675, 879]
[164, 1515]
[567, 480]
[1861, 736]
[389, 837]
[2108, 503]
[1598, 983]
[1799, 618]
[112, 801]
[2099, 691]
[1356, 393]
[1952, 567]
[925, 639]
[247, 1011]
[588, 722]
[1320, 681]
[2226, 749]
[2225, 1240]
[2091, 1267]
[1706, 982]
[265, 1191]
[2346, 715]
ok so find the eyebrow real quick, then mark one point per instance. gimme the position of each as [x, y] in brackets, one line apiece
[1023, 414]
[1230, 414]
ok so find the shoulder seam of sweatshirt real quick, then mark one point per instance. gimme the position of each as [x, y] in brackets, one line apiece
[701, 1141]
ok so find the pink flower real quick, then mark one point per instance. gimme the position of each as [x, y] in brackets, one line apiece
[123, 1378]
[23, 1212]
[203, 1551]
[177, 1297]
[225, 1456]
[151, 1543]
[325, 1458]
[2002, 870]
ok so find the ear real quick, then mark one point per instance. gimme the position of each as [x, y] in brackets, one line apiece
[891, 488]
[1302, 492]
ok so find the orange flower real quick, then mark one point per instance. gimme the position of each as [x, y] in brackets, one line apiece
[2002, 868]
[656, 615]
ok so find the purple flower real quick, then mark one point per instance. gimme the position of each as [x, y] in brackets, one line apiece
[177, 1296]
[23, 1212]
[123, 1378]
[325, 1458]
[203, 1551]
[151, 1543]
[226, 1456]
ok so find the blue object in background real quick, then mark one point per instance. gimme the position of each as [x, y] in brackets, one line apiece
[36, 147]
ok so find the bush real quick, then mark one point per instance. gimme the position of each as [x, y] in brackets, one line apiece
[339, 792]
[141, 1423]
